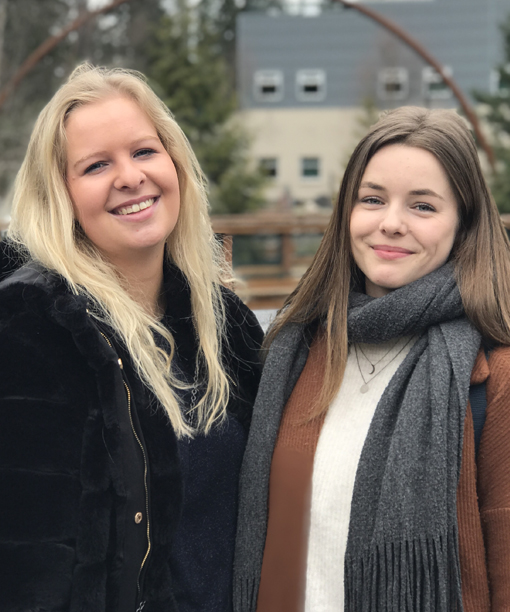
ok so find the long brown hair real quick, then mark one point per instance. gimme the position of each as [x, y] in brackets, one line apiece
[481, 252]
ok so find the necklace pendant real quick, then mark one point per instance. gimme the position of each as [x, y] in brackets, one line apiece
[372, 370]
[364, 388]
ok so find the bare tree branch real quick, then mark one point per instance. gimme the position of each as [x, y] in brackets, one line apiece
[48, 45]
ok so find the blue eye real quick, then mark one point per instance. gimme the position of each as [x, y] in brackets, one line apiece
[144, 152]
[94, 166]
[424, 207]
[371, 200]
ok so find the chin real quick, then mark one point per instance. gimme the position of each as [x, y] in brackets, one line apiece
[382, 286]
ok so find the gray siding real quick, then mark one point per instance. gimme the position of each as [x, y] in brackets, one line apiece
[463, 34]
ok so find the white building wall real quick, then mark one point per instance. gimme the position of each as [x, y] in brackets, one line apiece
[289, 135]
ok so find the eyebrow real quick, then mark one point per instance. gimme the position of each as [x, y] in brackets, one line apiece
[415, 192]
[101, 153]
[426, 192]
[372, 186]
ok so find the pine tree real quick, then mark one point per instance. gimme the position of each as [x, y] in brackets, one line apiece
[189, 70]
[496, 113]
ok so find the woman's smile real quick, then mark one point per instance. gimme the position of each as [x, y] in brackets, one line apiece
[405, 219]
[385, 251]
[133, 207]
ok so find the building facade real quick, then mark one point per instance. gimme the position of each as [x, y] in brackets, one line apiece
[303, 81]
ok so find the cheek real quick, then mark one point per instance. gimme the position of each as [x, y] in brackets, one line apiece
[84, 200]
[354, 225]
[75, 195]
[440, 248]
[83, 214]
[358, 228]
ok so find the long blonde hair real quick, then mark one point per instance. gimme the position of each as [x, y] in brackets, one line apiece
[43, 223]
[481, 252]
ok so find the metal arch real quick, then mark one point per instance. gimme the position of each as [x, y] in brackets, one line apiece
[406, 38]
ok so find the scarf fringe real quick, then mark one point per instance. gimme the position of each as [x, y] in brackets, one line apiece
[245, 594]
[417, 575]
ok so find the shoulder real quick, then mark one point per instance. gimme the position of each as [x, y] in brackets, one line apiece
[40, 317]
[493, 472]
[40, 325]
[498, 381]
[35, 291]
[499, 358]
[11, 258]
[497, 393]
[32, 281]
[29, 291]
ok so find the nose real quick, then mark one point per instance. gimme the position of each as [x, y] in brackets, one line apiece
[129, 176]
[393, 220]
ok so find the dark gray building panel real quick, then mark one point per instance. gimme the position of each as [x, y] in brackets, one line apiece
[351, 49]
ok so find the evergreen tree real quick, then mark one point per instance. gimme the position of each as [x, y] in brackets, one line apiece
[225, 16]
[497, 114]
[189, 71]
[118, 38]
[189, 57]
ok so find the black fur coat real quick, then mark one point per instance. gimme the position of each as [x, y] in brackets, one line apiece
[62, 411]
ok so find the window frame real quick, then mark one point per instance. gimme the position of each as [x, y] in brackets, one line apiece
[384, 76]
[264, 167]
[430, 76]
[310, 177]
[310, 74]
[268, 77]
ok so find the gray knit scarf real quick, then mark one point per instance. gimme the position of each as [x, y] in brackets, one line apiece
[402, 548]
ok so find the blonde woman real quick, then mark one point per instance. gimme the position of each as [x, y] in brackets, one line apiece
[128, 371]
[361, 487]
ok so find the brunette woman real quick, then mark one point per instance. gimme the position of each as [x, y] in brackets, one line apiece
[128, 371]
[360, 488]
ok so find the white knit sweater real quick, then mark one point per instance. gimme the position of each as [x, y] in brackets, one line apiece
[336, 460]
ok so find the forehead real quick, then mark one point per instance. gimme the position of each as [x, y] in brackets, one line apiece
[391, 159]
[116, 117]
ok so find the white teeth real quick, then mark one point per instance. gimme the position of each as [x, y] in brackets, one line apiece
[127, 210]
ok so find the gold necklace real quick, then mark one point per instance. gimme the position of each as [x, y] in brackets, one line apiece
[364, 387]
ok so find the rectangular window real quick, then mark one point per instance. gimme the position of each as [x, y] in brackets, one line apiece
[310, 85]
[434, 88]
[393, 84]
[268, 85]
[310, 167]
[269, 166]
